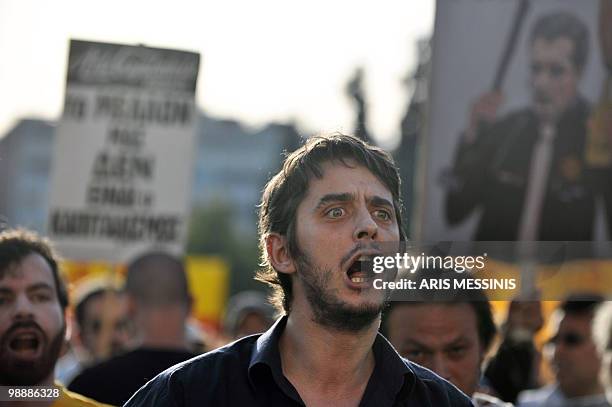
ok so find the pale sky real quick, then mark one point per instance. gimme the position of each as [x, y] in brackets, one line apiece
[261, 61]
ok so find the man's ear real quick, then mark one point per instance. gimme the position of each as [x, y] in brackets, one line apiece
[278, 253]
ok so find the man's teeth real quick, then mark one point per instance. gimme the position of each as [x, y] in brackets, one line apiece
[358, 279]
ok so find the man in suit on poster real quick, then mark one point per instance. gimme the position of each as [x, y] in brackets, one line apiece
[526, 171]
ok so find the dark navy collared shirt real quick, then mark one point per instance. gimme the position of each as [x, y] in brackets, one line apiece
[248, 372]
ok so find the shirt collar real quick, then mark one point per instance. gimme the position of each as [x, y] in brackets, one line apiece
[391, 374]
[266, 351]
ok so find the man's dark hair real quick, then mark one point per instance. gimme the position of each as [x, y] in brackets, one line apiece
[475, 298]
[562, 24]
[157, 279]
[17, 244]
[284, 192]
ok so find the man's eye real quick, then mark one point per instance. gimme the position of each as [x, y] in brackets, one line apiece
[96, 326]
[413, 354]
[382, 214]
[41, 297]
[335, 213]
[557, 70]
[536, 68]
[456, 351]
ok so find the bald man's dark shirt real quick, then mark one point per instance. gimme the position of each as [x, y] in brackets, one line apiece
[115, 380]
[249, 373]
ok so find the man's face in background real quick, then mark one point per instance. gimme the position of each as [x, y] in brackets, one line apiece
[442, 337]
[106, 326]
[554, 77]
[575, 357]
[32, 324]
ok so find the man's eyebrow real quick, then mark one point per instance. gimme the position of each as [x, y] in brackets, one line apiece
[342, 197]
[416, 344]
[40, 286]
[380, 201]
[458, 341]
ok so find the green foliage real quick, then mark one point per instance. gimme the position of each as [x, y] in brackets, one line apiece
[212, 233]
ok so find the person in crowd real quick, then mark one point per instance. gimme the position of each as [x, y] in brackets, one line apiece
[33, 302]
[100, 306]
[575, 360]
[515, 366]
[102, 328]
[602, 333]
[159, 305]
[248, 313]
[322, 217]
[451, 336]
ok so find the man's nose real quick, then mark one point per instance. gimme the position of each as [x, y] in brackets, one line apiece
[440, 366]
[366, 226]
[541, 78]
[23, 307]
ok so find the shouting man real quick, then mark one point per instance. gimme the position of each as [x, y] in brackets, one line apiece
[331, 206]
[33, 301]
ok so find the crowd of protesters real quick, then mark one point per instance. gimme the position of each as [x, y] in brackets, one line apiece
[322, 336]
[138, 335]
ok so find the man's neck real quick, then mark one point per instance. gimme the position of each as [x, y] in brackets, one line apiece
[328, 360]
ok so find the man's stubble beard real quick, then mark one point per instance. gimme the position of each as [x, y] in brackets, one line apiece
[16, 372]
[328, 310]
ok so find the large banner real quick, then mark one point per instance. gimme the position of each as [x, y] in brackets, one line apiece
[516, 148]
[122, 164]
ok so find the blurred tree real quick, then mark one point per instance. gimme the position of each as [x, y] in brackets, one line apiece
[211, 233]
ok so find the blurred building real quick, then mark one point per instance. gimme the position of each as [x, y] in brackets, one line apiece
[234, 163]
[25, 165]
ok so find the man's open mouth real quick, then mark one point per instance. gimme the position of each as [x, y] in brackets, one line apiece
[25, 344]
[360, 270]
